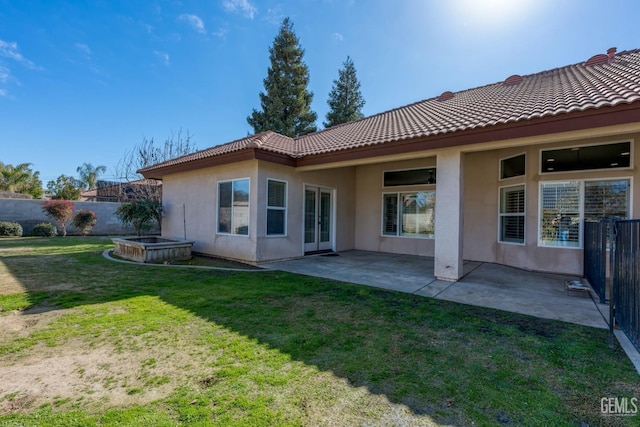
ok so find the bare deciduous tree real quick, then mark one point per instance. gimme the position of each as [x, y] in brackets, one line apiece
[135, 186]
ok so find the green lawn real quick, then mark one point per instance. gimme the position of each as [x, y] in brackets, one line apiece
[86, 341]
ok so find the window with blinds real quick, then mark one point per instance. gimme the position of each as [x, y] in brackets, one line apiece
[566, 205]
[390, 214]
[276, 207]
[560, 213]
[512, 215]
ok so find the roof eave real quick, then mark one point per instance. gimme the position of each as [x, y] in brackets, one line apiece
[586, 119]
[222, 159]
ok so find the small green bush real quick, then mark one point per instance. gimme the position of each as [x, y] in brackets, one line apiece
[10, 229]
[44, 229]
[84, 221]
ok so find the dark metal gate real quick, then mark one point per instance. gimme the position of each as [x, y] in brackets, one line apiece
[595, 256]
[626, 278]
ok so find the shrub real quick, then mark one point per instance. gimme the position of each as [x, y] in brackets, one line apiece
[59, 210]
[10, 229]
[141, 214]
[44, 229]
[84, 221]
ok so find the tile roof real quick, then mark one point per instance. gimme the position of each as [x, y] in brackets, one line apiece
[549, 93]
[568, 89]
[268, 141]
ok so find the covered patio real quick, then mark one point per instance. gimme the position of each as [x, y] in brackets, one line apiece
[483, 284]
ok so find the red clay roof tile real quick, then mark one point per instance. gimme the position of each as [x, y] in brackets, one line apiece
[549, 93]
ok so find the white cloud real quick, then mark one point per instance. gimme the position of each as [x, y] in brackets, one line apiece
[242, 6]
[194, 21]
[222, 33]
[275, 15]
[84, 49]
[5, 74]
[10, 50]
[337, 37]
[163, 55]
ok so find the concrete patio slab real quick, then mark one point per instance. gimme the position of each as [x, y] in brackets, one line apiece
[536, 294]
[486, 285]
[495, 286]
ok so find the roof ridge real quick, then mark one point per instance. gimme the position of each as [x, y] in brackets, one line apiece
[524, 77]
[565, 89]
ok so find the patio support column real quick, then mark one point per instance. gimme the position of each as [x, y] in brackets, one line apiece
[449, 218]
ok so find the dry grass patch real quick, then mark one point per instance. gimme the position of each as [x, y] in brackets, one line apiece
[117, 344]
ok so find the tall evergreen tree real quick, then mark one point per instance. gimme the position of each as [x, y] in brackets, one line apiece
[286, 105]
[345, 100]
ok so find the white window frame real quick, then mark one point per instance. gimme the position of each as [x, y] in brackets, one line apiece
[522, 214]
[278, 208]
[399, 234]
[511, 157]
[550, 173]
[581, 195]
[232, 181]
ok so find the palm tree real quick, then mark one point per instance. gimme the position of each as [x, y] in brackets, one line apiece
[20, 179]
[14, 177]
[89, 175]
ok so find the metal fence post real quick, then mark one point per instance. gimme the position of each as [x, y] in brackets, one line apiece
[612, 267]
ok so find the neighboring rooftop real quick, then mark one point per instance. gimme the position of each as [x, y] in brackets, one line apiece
[605, 80]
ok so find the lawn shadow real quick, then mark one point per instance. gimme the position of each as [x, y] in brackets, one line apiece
[438, 358]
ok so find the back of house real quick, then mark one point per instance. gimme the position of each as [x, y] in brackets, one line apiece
[503, 173]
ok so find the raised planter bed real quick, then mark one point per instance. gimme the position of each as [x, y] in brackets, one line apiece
[152, 249]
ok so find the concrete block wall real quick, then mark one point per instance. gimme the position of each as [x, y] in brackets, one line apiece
[28, 213]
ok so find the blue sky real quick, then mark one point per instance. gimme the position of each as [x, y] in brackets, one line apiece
[85, 81]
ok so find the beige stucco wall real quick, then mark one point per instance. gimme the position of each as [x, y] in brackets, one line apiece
[190, 203]
[481, 197]
[343, 181]
[368, 208]
[340, 180]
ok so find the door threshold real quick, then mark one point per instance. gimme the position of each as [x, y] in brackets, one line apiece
[324, 251]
